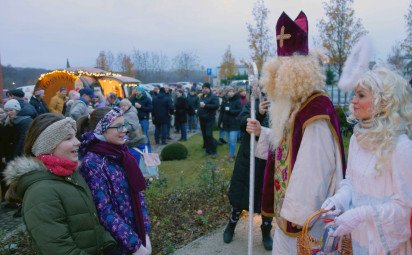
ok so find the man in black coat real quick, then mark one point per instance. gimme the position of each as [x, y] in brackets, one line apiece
[26, 108]
[239, 184]
[181, 108]
[162, 107]
[144, 107]
[193, 101]
[209, 104]
[38, 103]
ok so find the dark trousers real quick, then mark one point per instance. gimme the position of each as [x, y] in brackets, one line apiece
[183, 130]
[207, 132]
[161, 129]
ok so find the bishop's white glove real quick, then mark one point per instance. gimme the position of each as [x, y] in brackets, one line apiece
[349, 220]
[141, 251]
[148, 244]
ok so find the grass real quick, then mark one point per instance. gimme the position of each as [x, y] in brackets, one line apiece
[185, 172]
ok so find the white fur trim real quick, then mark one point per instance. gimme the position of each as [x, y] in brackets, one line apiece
[20, 166]
[356, 64]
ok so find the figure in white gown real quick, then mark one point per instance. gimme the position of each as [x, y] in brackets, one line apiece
[376, 196]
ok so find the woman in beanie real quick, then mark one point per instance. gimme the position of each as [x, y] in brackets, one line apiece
[116, 182]
[58, 209]
[21, 124]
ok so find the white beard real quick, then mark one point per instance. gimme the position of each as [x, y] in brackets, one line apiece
[279, 113]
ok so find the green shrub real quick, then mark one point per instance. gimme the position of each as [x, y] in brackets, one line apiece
[174, 151]
[345, 127]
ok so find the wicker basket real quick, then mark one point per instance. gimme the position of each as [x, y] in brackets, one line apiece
[305, 242]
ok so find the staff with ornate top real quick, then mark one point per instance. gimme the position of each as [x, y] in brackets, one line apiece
[255, 92]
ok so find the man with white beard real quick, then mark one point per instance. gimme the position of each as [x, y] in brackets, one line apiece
[306, 159]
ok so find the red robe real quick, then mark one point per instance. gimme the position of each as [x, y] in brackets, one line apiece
[317, 107]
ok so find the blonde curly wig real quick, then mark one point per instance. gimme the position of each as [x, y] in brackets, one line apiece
[294, 78]
[391, 111]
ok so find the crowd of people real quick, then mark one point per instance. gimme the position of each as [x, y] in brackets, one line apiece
[74, 142]
[70, 165]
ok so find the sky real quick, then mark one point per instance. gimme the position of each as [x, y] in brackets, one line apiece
[44, 33]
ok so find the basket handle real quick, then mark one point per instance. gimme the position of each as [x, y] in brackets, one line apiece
[305, 228]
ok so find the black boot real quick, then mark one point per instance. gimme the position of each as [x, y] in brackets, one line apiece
[229, 232]
[230, 228]
[266, 237]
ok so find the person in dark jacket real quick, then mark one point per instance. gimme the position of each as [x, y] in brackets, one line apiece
[193, 102]
[7, 134]
[181, 109]
[20, 124]
[162, 108]
[26, 108]
[37, 101]
[58, 208]
[209, 104]
[239, 184]
[228, 121]
[144, 107]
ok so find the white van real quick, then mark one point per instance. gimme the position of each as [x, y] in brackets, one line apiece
[28, 91]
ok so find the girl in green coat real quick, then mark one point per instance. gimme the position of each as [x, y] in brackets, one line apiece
[58, 209]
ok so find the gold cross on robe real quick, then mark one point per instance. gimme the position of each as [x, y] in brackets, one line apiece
[282, 36]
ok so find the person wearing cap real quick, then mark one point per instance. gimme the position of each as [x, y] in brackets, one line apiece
[37, 101]
[116, 182]
[21, 124]
[144, 107]
[306, 159]
[57, 101]
[57, 205]
[26, 108]
[193, 101]
[209, 103]
[80, 107]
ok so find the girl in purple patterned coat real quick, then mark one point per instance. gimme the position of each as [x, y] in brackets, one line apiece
[116, 182]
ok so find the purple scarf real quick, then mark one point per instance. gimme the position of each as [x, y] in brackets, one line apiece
[134, 178]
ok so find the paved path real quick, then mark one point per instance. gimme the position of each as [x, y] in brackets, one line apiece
[213, 243]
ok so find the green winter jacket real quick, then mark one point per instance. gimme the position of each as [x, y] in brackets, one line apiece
[58, 211]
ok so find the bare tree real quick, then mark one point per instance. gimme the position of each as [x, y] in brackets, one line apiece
[259, 38]
[101, 61]
[185, 63]
[228, 67]
[339, 31]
